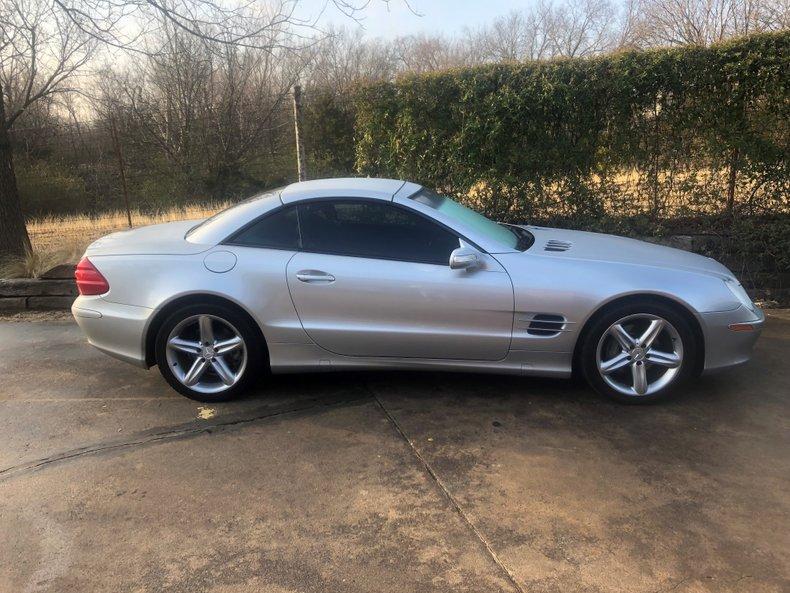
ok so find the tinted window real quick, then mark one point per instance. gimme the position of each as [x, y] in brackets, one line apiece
[279, 230]
[203, 230]
[376, 230]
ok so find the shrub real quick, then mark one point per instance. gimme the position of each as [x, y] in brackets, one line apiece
[661, 133]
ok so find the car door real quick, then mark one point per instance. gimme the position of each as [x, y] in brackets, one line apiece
[373, 279]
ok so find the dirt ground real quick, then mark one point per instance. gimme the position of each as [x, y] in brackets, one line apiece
[110, 481]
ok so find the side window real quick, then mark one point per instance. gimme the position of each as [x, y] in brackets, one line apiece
[279, 230]
[375, 230]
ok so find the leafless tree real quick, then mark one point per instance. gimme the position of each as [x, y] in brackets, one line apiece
[426, 53]
[701, 22]
[56, 35]
[205, 108]
[582, 28]
[570, 28]
[344, 57]
[160, 97]
[629, 32]
[39, 52]
[516, 36]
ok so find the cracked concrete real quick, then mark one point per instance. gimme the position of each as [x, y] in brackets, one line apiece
[379, 482]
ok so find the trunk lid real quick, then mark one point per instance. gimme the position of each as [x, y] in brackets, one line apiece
[158, 239]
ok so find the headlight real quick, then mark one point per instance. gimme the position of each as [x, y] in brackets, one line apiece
[737, 290]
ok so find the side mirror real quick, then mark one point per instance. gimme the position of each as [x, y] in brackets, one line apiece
[464, 258]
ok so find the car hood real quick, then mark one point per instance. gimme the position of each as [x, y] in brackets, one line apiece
[157, 239]
[583, 245]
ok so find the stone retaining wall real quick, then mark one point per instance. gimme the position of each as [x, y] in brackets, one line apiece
[37, 294]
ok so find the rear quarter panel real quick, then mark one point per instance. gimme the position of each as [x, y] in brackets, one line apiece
[256, 283]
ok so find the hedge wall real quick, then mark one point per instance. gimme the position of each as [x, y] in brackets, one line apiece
[671, 131]
[623, 142]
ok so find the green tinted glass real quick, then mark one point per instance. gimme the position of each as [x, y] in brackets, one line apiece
[468, 217]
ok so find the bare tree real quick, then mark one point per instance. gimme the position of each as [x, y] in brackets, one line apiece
[39, 51]
[246, 102]
[503, 40]
[701, 22]
[426, 53]
[581, 28]
[205, 107]
[164, 96]
[517, 36]
[56, 35]
[344, 57]
[629, 31]
[572, 28]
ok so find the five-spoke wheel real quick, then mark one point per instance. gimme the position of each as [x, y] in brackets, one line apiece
[206, 352]
[638, 352]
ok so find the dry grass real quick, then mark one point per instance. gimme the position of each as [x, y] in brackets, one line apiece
[63, 239]
[48, 233]
[34, 263]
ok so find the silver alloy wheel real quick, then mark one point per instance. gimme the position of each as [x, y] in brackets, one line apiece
[639, 354]
[206, 353]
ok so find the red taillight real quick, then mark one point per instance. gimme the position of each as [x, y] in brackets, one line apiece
[89, 279]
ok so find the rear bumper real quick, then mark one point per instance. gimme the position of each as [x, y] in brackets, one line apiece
[725, 347]
[115, 329]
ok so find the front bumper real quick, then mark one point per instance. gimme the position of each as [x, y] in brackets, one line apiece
[725, 347]
[117, 330]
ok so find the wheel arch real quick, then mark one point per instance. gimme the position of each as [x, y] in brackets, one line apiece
[168, 308]
[679, 307]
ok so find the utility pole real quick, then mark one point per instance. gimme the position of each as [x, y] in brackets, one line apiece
[121, 167]
[300, 160]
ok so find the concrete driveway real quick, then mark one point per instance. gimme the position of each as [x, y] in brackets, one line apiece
[109, 481]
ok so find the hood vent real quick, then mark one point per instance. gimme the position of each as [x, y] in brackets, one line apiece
[555, 245]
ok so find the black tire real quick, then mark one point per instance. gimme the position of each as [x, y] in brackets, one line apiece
[587, 360]
[255, 349]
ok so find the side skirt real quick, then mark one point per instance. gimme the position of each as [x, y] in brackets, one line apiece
[304, 358]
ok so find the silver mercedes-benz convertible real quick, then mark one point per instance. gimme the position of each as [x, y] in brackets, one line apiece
[385, 274]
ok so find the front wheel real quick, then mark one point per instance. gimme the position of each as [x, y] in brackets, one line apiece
[639, 353]
[208, 353]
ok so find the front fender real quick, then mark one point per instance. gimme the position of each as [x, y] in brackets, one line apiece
[575, 289]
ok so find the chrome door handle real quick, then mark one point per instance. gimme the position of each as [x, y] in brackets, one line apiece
[314, 276]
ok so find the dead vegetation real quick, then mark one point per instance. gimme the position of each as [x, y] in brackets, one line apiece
[63, 239]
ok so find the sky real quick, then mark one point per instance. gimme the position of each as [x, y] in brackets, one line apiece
[391, 20]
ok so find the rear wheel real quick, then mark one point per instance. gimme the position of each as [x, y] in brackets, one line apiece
[639, 353]
[209, 353]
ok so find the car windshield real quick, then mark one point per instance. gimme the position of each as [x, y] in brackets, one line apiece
[205, 224]
[511, 236]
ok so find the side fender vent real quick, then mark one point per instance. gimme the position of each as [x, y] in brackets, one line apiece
[544, 324]
[555, 245]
